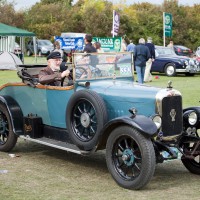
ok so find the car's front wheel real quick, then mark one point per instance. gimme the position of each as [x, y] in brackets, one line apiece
[39, 53]
[28, 53]
[7, 137]
[170, 69]
[130, 157]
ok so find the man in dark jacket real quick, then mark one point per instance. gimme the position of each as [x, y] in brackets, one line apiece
[151, 46]
[88, 44]
[89, 48]
[141, 56]
[51, 74]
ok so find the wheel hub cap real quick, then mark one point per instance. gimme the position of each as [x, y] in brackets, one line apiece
[85, 120]
[128, 157]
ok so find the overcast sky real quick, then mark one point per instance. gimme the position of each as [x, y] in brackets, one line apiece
[21, 4]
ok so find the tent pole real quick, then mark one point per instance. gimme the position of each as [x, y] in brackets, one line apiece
[35, 51]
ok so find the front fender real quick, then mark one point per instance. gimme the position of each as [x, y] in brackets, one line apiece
[15, 113]
[141, 123]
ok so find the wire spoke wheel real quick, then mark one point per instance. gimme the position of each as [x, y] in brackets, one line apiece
[4, 129]
[191, 159]
[7, 138]
[127, 158]
[130, 157]
[84, 120]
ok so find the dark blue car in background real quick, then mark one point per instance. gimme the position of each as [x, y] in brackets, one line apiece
[169, 63]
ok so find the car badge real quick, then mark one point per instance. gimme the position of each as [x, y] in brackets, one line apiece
[173, 114]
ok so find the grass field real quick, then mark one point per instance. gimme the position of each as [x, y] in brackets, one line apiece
[44, 173]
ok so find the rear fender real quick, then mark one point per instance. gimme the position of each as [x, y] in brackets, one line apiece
[15, 113]
[141, 123]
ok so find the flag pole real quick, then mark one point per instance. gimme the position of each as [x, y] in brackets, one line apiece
[164, 29]
[113, 34]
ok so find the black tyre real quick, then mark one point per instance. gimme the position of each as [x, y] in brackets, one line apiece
[28, 53]
[39, 53]
[192, 164]
[170, 69]
[189, 74]
[130, 158]
[7, 138]
[85, 117]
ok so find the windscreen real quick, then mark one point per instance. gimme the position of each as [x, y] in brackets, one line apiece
[102, 65]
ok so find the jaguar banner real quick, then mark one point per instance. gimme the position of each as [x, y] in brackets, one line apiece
[167, 23]
[109, 44]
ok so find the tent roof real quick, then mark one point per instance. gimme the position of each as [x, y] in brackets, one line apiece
[6, 30]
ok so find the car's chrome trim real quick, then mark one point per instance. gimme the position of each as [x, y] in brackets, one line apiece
[190, 69]
[162, 94]
[187, 70]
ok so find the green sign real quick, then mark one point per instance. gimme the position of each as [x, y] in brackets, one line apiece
[168, 24]
[109, 43]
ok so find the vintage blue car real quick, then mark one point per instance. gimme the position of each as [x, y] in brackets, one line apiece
[169, 63]
[137, 125]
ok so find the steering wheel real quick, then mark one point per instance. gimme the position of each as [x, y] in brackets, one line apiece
[81, 72]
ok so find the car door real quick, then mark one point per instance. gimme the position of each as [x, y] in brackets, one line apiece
[57, 100]
[158, 64]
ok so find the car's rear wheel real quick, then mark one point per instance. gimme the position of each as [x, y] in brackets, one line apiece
[7, 137]
[86, 115]
[170, 69]
[130, 157]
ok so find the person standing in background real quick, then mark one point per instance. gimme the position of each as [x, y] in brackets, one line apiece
[147, 74]
[171, 44]
[58, 49]
[89, 48]
[97, 45]
[131, 46]
[141, 56]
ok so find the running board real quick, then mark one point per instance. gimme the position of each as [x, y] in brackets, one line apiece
[57, 144]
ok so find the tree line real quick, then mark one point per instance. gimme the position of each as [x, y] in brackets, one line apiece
[49, 18]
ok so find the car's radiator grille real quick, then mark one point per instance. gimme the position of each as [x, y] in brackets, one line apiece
[172, 121]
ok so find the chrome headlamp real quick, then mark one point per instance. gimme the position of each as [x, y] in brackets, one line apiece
[44, 49]
[192, 118]
[186, 62]
[157, 120]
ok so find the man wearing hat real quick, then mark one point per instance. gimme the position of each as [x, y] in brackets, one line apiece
[51, 74]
